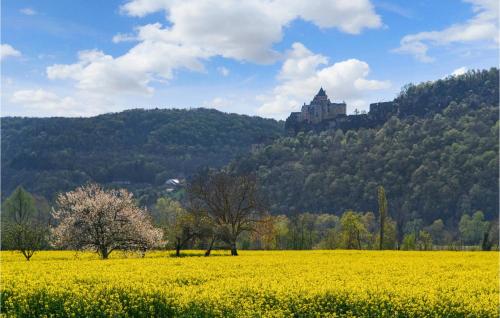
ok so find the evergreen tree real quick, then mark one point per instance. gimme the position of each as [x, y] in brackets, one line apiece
[382, 210]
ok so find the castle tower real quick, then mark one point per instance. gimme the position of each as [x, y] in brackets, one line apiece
[321, 96]
[321, 108]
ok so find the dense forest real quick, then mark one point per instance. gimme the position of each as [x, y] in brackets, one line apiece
[137, 149]
[439, 165]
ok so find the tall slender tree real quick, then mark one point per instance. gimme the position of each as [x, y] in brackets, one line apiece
[382, 210]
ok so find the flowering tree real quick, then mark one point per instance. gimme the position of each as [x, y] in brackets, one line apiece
[103, 220]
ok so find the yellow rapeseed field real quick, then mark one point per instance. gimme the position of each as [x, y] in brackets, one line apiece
[254, 284]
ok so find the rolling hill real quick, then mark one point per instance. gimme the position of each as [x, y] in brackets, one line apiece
[137, 149]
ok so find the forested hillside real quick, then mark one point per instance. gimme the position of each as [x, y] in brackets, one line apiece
[138, 149]
[437, 166]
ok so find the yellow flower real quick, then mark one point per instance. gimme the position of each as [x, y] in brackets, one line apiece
[254, 284]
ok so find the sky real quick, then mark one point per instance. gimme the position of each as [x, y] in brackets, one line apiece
[255, 57]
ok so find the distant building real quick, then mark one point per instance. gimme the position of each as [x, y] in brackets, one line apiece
[321, 114]
[320, 109]
[172, 184]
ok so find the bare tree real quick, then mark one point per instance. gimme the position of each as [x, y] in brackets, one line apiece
[182, 226]
[103, 220]
[232, 202]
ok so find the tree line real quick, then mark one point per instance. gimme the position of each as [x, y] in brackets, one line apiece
[222, 210]
[350, 230]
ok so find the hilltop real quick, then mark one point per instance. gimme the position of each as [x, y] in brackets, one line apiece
[436, 155]
[422, 100]
[138, 149]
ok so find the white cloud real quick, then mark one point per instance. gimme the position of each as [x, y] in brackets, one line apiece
[246, 30]
[304, 72]
[223, 71]
[483, 26]
[7, 50]
[141, 8]
[130, 73]
[350, 16]
[196, 31]
[28, 11]
[44, 101]
[301, 63]
[459, 71]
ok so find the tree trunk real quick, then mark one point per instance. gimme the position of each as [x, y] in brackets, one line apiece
[486, 244]
[104, 253]
[399, 231]
[234, 251]
[359, 240]
[178, 245]
[26, 254]
[210, 246]
[381, 243]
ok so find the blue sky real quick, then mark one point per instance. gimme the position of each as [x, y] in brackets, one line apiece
[258, 57]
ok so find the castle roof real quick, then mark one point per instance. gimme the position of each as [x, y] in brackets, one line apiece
[321, 92]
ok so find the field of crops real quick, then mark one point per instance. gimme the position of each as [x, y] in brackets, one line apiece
[254, 284]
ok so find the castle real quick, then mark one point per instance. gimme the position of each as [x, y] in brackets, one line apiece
[320, 109]
[322, 114]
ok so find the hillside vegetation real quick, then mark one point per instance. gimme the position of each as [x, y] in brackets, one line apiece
[138, 149]
[439, 165]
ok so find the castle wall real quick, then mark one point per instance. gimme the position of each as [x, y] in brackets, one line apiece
[320, 112]
[333, 116]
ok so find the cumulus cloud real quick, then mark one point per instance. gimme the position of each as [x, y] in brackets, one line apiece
[199, 30]
[483, 26]
[28, 11]
[195, 31]
[7, 50]
[303, 72]
[246, 30]
[132, 72]
[348, 15]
